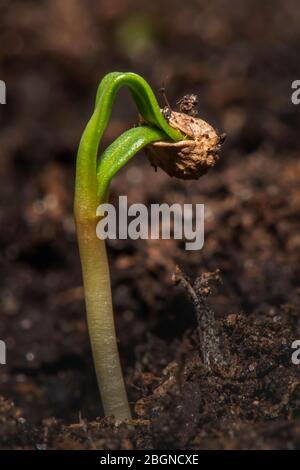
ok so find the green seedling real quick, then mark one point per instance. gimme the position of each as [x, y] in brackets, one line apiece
[94, 174]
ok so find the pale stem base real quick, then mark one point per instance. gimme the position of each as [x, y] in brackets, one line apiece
[96, 279]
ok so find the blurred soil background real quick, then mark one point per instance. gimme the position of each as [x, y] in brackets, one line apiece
[240, 57]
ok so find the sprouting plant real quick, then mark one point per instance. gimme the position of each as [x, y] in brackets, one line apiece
[176, 140]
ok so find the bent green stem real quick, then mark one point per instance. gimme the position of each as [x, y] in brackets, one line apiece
[93, 178]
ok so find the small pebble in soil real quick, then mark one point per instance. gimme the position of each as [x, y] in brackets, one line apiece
[29, 356]
[26, 324]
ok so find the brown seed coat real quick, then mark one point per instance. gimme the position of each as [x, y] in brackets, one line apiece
[190, 158]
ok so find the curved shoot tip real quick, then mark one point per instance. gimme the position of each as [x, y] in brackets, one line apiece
[93, 176]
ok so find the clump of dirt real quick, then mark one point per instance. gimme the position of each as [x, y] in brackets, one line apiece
[197, 406]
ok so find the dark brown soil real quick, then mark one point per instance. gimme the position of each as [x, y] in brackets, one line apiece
[241, 61]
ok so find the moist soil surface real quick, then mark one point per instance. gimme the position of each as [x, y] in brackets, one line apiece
[241, 62]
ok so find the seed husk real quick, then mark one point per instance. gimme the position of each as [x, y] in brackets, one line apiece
[190, 158]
